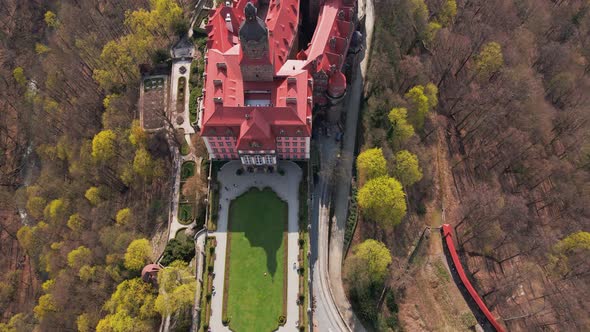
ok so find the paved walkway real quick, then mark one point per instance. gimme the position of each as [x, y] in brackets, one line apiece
[287, 188]
[176, 74]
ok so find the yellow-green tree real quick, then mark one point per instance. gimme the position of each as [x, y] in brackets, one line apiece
[93, 195]
[56, 210]
[121, 321]
[430, 31]
[177, 288]
[51, 19]
[375, 257]
[145, 166]
[383, 200]
[138, 254]
[45, 305]
[104, 145]
[123, 216]
[35, 206]
[79, 257]
[131, 307]
[41, 48]
[19, 76]
[407, 168]
[75, 222]
[419, 106]
[17, 323]
[489, 60]
[419, 12]
[569, 255]
[371, 164]
[137, 135]
[84, 323]
[447, 13]
[431, 93]
[401, 130]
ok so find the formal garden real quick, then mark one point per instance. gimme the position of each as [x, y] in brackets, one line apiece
[255, 291]
[186, 206]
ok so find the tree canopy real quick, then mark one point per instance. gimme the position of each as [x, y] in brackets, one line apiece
[79, 257]
[490, 59]
[407, 168]
[123, 216]
[131, 308]
[421, 99]
[177, 288]
[371, 164]
[401, 130]
[375, 256]
[383, 200]
[103, 145]
[93, 195]
[138, 254]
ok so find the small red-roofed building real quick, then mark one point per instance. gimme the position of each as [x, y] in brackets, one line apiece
[259, 88]
[149, 273]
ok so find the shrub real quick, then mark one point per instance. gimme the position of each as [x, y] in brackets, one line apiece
[225, 320]
[421, 209]
[179, 248]
[301, 242]
[390, 302]
[239, 171]
[392, 322]
[282, 320]
[281, 171]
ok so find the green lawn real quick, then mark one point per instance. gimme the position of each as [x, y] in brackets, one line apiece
[257, 225]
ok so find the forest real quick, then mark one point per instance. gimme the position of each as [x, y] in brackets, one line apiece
[83, 188]
[476, 112]
[491, 98]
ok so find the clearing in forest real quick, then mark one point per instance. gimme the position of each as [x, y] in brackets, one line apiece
[255, 283]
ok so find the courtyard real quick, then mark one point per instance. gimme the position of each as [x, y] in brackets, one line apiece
[256, 235]
[256, 263]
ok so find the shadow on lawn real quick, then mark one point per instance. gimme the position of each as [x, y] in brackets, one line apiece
[266, 219]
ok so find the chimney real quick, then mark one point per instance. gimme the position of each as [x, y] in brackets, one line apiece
[228, 24]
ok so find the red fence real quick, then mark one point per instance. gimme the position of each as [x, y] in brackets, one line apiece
[447, 231]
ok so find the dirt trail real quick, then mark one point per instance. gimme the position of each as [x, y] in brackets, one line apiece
[431, 301]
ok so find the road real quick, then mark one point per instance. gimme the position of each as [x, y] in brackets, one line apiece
[333, 310]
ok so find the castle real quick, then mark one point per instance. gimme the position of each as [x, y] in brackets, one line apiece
[260, 87]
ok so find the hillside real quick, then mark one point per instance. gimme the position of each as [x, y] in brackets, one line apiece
[84, 177]
[504, 155]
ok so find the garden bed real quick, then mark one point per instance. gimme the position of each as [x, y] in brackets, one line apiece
[186, 213]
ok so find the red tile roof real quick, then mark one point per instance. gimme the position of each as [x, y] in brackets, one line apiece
[258, 111]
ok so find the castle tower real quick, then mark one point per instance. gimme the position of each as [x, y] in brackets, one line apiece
[255, 60]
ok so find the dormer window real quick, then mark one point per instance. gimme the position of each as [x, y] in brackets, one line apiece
[299, 132]
[229, 132]
[255, 144]
[282, 132]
